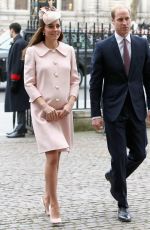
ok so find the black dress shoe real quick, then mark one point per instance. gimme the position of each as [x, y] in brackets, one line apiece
[15, 130]
[10, 132]
[124, 215]
[15, 135]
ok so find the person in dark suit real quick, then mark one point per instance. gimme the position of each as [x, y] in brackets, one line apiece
[120, 69]
[16, 98]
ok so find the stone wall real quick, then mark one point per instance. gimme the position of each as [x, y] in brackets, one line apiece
[84, 11]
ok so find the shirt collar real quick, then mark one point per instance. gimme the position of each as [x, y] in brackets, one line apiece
[41, 49]
[119, 38]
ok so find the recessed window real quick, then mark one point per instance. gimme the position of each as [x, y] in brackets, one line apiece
[21, 4]
[67, 5]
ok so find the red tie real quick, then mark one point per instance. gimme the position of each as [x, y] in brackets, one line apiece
[126, 57]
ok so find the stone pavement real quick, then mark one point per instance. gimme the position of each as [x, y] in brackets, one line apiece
[84, 196]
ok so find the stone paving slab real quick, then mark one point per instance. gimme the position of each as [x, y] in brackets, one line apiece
[84, 194]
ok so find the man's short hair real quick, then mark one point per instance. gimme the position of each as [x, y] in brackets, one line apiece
[117, 7]
[16, 27]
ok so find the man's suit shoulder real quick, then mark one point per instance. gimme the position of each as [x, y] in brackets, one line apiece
[112, 39]
[138, 38]
[106, 42]
[20, 42]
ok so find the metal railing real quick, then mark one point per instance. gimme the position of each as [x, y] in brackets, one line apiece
[83, 39]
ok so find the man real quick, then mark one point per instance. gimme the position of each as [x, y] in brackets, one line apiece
[16, 98]
[120, 69]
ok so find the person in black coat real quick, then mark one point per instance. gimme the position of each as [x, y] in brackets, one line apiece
[120, 87]
[16, 98]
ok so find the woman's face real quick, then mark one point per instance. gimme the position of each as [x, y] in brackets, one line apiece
[52, 31]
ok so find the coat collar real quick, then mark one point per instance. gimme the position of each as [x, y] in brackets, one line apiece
[116, 52]
[42, 50]
[116, 48]
[17, 37]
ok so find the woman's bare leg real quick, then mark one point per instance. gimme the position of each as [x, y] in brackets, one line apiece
[58, 160]
[51, 174]
[46, 196]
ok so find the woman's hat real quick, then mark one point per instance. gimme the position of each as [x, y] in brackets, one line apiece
[49, 16]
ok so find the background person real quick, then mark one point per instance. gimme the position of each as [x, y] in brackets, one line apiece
[16, 98]
[52, 82]
[120, 69]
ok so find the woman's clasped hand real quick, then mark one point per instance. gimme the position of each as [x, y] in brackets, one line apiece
[51, 114]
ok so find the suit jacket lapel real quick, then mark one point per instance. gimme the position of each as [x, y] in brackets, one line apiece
[116, 52]
[133, 55]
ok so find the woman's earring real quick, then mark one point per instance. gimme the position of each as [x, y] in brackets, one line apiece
[43, 34]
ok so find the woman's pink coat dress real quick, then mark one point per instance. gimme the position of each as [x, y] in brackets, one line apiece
[53, 75]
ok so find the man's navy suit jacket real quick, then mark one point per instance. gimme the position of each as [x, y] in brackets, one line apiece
[109, 83]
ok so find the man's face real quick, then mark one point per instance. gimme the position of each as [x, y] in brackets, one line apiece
[11, 33]
[122, 21]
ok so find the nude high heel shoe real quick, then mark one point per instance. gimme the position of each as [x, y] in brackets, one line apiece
[46, 208]
[54, 220]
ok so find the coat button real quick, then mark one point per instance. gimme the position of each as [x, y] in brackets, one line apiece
[57, 99]
[57, 87]
[55, 74]
[55, 63]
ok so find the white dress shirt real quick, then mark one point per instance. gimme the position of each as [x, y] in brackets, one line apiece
[119, 40]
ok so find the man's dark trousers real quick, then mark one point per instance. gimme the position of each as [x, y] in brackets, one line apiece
[21, 122]
[128, 131]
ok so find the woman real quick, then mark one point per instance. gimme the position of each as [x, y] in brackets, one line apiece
[52, 82]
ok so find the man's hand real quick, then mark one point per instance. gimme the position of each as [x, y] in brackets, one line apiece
[148, 116]
[98, 123]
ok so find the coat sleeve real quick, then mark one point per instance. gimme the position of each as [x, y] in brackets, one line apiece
[16, 70]
[96, 82]
[146, 74]
[30, 75]
[74, 79]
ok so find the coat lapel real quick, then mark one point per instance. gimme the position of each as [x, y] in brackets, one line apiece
[133, 55]
[116, 52]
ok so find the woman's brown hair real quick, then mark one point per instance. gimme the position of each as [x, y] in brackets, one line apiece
[39, 36]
